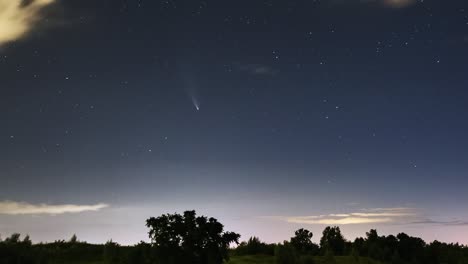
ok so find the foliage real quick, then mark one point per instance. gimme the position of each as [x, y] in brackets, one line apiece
[404, 249]
[16, 251]
[112, 252]
[286, 254]
[73, 239]
[332, 240]
[254, 247]
[302, 242]
[141, 254]
[189, 239]
[372, 249]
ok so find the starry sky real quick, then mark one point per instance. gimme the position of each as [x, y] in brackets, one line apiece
[268, 115]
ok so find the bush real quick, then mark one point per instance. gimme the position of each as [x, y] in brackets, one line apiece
[285, 254]
[111, 252]
[254, 247]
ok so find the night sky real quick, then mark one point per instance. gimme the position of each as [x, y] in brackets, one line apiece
[268, 115]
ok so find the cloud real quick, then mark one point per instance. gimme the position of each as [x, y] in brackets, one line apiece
[383, 3]
[364, 216]
[22, 208]
[339, 221]
[444, 223]
[18, 17]
[396, 216]
[258, 69]
[398, 3]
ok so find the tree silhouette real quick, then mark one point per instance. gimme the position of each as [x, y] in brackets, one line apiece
[73, 239]
[410, 248]
[111, 252]
[27, 240]
[285, 254]
[400, 249]
[332, 240]
[302, 241]
[13, 239]
[189, 239]
[253, 247]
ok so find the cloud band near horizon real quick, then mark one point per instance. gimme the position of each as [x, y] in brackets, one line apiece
[23, 208]
[398, 216]
[364, 216]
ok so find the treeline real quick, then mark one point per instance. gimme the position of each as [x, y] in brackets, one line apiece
[14, 250]
[187, 238]
[400, 249]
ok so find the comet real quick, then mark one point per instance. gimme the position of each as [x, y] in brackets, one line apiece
[195, 103]
[190, 86]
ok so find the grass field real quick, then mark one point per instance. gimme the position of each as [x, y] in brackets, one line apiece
[260, 259]
[318, 260]
[252, 260]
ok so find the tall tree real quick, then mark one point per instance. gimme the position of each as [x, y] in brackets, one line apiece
[302, 241]
[189, 239]
[332, 240]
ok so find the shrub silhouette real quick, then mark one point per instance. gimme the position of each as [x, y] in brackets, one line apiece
[254, 247]
[285, 254]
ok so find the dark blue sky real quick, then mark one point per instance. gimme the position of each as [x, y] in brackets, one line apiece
[268, 115]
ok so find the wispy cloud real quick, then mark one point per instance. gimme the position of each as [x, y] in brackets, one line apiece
[396, 216]
[383, 3]
[398, 3]
[364, 216]
[22, 208]
[437, 222]
[18, 17]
